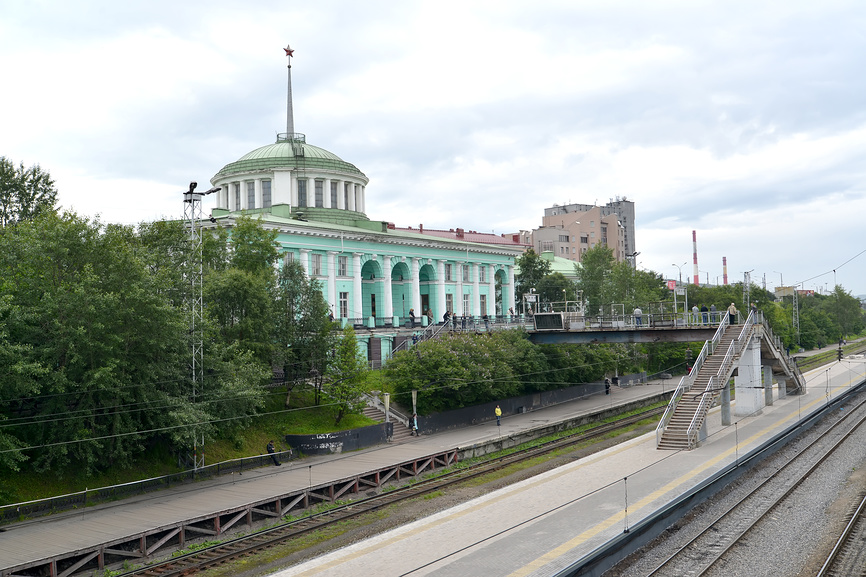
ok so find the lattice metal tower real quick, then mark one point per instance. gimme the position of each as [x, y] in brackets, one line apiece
[192, 212]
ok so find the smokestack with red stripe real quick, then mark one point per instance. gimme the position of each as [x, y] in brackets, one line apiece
[725, 270]
[695, 253]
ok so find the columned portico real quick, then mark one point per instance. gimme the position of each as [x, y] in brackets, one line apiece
[332, 281]
[458, 305]
[305, 261]
[389, 301]
[491, 293]
[440, 290]
[509, 292]
[357, 302]
[476, 292]
[416, 286]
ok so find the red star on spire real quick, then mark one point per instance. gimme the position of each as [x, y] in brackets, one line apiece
[288, 50]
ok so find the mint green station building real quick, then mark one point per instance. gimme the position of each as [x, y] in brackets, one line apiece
[372, 273]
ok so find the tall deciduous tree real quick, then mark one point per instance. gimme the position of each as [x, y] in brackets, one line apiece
[533, 268]
[347, 376]
[25, 193]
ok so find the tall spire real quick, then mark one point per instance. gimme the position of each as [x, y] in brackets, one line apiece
[290, 121]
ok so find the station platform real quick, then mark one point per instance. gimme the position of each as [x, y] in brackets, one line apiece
[98, 528]
[546, 523]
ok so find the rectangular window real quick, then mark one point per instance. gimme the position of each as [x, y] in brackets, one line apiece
[251, 194]
[448, 276]
[584, 239]
[467, 305]
[317, 264]
[302, 192]
[288, 257]
[266, 194]
[320, 193]
[592, 224]
[483, 301]
[563, 238]
[592, 234]
[343, 266]
[482, 270]
[465, 273]
[344, 305]
[449, 302]
[237, 189]
[547, 246]
[333, 195]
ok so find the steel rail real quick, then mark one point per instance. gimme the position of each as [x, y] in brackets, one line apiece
[254, 542]
[840, 552]
[744, 501]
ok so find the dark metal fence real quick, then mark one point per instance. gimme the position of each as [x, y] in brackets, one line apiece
[88, 497]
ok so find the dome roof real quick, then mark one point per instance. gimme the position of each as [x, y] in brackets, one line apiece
[283, 154]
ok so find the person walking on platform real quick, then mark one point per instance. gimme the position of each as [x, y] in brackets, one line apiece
[606, 386]
[498, 412]
[732, 314]
[272, 452]
[412, 318]
[414, 424]
[638, 317]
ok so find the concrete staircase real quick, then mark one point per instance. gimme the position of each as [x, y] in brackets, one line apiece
[694, 404]
[402, 433]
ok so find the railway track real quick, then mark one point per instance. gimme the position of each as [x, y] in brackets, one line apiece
[848, 556]
[706, 549]
[249, 544]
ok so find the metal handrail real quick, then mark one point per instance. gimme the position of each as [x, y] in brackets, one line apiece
[702, 409]
[669, 411]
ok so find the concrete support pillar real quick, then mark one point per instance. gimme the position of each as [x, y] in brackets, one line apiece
[458, 305]
[416, 286]
[332, 282]
[491, 293]
[726, 404]
[748, 383]
[305, 260]
[389, 301]
[357, 299]
[440, 291]
[783, 388]
[768, 385]
[476, 292]
[508, 293]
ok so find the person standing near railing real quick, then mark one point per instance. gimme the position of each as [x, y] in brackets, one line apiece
[638, 317]
[732, 314]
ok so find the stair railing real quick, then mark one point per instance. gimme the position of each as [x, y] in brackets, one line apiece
[703, 408]
[669, 411]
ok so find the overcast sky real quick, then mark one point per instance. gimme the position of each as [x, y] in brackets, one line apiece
[744, 121]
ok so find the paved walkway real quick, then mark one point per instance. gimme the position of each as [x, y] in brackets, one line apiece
[544, 524]
[84, 529]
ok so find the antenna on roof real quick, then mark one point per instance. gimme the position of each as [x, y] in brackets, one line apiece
[290, 121]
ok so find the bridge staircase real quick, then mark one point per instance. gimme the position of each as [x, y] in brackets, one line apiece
[696, 393]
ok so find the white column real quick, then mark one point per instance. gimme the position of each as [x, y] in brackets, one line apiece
[491, 292]
[508, 294]
[357, 301]
[362, 197]
[389, 303]
[341, 203]
[351, 197]
[458, 306]
[332, 282]
[294, 180]
[416, 286]
[440, 290]
[326, 190]
[305, 260]
[259, 202]
[476, 293]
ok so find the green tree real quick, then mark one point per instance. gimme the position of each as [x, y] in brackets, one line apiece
[303, 333]
[347, 375]
[556, 287]
[25, 193]
[533, 268]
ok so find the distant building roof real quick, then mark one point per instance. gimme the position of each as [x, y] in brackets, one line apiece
[467, 235]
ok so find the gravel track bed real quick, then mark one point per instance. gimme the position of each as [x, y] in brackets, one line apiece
[796, 537]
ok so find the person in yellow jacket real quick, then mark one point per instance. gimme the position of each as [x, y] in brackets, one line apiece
[498, 413]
